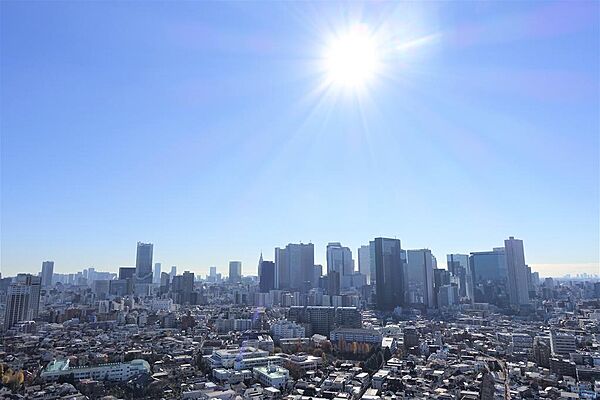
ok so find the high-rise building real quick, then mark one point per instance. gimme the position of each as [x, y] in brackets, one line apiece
[235, 271]
[420, 277]
[173, 271]
[295, 266]
[126, 272]
[389, 273]
[187, 287]
[47, 273]
[458, 265]
[213, 272]
[339, 259]
[143, 263]
[165, 280]
[156, 275]
[22, 300]
[364, 262]
[488, 266]
[266, 276]
[318, 272]
[441, 277]
[518, 289]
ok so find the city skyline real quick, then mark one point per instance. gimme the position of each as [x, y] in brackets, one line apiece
[220, 130]
[250, 267]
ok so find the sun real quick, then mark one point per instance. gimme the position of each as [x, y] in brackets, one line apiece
[352, 58]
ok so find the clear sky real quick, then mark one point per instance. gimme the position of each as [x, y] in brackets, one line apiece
[206, 128]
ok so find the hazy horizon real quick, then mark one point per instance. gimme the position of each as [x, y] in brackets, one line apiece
[217, 130]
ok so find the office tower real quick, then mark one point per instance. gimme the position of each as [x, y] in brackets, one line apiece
[420, 277]
[173, 271]
[339, 259]
[535, 279]
[294, 266]
[126, 272]
[120, 287]
[91, 275]
[333, 283]
[488, 266]
[156, 275]
[101, 288]
[389, 273]
[458, 265]
[213, 272]
[47, 272]
[441, 277]
[143, 263]
[165, 280]
[318, 272]
[266, 276]
[364, 262]
[22, 300]
[187, 286]
[235, 271]
[518, 290]
[448, 295]
[530, 285]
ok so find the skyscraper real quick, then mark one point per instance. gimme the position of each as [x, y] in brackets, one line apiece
[266, 276]
[47, 273]
[458, 265]
[143, 263]
[518, 290]
[295, 266]
[420, 277]
[488, 266]
[173, 271]
[339, 259]
[339, 265]
[22, 300]
[126, 272]
[235, 271]
[156, 275]
[187, 287]
[364, 262]
[389, 273]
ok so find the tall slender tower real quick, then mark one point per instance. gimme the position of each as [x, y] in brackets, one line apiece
[389, 273]
[47, 273]
[143, 263]
[518, 290]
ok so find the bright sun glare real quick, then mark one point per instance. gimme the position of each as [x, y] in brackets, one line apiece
[352, 59]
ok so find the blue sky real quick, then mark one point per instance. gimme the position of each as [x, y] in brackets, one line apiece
[203, 127]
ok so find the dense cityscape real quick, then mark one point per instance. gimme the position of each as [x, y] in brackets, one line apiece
[384, 323]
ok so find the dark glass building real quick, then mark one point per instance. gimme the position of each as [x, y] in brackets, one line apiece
[389, 273]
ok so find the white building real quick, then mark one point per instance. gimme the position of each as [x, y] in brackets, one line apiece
[272, 375]
[284, 329]
[226, 358]
[110, 372]
[22, 300]
[162, 305]
[249, 363]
